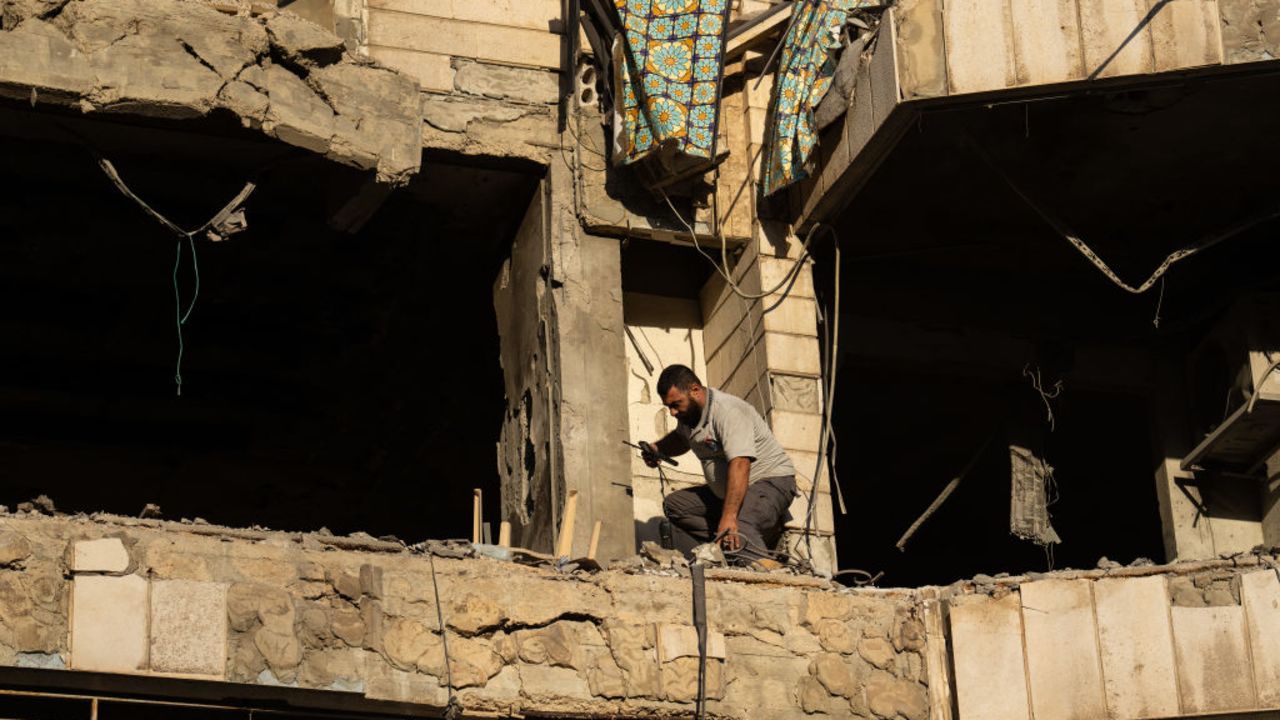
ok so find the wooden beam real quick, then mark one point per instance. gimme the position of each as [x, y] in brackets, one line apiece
[757, 29]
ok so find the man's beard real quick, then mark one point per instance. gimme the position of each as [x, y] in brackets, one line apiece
[691, 416]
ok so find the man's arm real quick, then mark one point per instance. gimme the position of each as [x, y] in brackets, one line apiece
[739, 473]
[672, 445]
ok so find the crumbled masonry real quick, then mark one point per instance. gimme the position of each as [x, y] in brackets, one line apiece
[299, 610]
[181, 58]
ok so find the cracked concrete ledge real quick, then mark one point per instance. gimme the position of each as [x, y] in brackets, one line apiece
[277, 73]
[289, 609]
[358, 615]
[487, 126]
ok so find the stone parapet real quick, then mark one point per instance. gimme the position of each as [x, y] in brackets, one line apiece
[261, 608]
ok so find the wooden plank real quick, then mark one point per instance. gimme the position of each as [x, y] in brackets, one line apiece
[1185, 34]
[979, 47]
[740, 38]
[1063, 668]
[1136, 643]
[986, 642]
[1241, 440]
[1046, 41]
[543, 15]
[512, 46]
[935, 656]
[1214, 671]
[922, 61]
[1115, 40]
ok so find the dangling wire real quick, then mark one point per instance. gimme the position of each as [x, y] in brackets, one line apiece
[213, 224]
[1038, 385]
[180, 316]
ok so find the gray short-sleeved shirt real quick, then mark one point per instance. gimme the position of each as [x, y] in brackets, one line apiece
[731, 428]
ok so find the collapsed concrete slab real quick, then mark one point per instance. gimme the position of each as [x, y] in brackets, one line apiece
[276, 73]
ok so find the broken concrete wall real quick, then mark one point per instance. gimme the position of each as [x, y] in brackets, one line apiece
[180, 59]
[528, 444]
[359, 617]
[490, 71]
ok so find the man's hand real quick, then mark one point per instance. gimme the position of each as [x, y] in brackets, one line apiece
[735, 492]
[728, 534]
[649, 454]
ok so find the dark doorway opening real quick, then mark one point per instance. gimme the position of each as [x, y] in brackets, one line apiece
[336, 380]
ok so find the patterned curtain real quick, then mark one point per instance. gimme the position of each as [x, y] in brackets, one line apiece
[670, 77]
[805, 69]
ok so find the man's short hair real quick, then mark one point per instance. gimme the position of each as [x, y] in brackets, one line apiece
[677, 376]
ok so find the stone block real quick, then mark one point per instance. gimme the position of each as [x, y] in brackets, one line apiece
[1260, 592]
[303, 41]
[986, 638]
[297, 115]
[544, 683]
[1105, 25]
[506, 83]
[189, 628]
[13, 548]
[532, 14]
[796, 431]
[834, 673]
[677, 641]
[433, 72]
[1063, 668]
[792, 353]
[1136, 644]
[109, 623]
[823, 513]
[1250, 30]
[494, 43]
[105, 555]
[1214, 671]
[891, 697]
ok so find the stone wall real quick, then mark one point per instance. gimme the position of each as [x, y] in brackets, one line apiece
[358, 617]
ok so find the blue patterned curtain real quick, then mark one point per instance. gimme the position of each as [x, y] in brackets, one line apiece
[670, 79]
[805, 69]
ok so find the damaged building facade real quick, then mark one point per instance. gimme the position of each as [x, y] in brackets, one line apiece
[320, 286]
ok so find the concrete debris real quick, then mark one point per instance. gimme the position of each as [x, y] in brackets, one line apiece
[277, 73]
[41, 504]
[709, 554]
[663, 557]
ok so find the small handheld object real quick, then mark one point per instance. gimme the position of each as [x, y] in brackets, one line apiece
[649, 450]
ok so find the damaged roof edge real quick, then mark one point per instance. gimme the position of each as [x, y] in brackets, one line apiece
[279, 74]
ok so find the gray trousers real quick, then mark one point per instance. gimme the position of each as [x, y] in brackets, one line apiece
[696, 511]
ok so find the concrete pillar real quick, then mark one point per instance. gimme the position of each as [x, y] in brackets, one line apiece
[559, 307]
[591, 371]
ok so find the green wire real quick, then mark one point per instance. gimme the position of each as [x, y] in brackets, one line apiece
[179, 315]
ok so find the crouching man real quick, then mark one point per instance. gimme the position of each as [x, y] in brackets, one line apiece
[750, 479]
